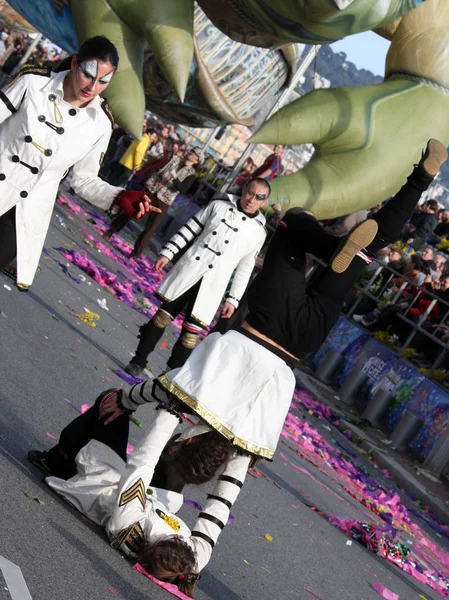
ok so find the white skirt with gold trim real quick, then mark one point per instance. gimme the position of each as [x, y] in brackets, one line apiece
[238, 387]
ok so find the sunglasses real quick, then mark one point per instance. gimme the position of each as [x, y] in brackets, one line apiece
[258, 197]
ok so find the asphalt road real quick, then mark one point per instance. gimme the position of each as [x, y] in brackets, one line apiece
[51, 364]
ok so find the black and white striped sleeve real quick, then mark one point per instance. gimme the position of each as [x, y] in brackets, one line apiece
[187, 233]
[215, 514]
[138, 394]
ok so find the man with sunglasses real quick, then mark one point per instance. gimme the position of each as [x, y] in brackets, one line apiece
[222, 239]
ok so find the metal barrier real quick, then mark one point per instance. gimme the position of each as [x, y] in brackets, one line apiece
[365, 291]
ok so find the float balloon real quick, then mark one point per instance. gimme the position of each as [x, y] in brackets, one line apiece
[365, 138]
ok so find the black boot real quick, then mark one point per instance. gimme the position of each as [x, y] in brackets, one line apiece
[179, 355]
[149, 336]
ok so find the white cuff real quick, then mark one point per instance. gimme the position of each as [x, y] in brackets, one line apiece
[235, 303]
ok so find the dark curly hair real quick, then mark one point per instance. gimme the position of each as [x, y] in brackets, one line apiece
[95, 47]
[171, 560]
[195, 460]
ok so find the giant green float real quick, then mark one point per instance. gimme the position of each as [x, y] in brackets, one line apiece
[365, 138]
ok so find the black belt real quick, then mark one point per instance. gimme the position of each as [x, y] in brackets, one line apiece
[290, 360]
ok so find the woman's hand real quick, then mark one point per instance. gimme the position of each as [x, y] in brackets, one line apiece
[135, 204]
[146, 207]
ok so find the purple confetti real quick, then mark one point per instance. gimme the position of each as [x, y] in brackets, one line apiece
[193, 503]
[127, 377]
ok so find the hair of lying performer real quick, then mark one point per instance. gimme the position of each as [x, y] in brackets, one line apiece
[195, 460]
[171, 560]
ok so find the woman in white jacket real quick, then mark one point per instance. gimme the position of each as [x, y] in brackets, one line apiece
[50, 122]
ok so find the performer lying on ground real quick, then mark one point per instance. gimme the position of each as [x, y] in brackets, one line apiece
[188, 458]
[241, 383]
[145, 526]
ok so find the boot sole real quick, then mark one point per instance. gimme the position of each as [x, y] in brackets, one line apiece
[437, 156]
[359, 238]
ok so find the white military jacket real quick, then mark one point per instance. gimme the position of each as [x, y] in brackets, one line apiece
[225, 240]
[41, 137]
[118, 496]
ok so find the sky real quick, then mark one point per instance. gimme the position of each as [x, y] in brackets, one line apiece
[366, 50]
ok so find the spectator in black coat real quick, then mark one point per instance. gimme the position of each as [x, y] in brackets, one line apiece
[441, 230]
[421, 225]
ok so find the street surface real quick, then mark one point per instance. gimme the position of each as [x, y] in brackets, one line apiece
[53, 362]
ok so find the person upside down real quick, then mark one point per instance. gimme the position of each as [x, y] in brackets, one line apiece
[240, 384]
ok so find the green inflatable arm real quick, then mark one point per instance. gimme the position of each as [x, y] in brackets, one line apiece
[367, 138]
[167, 27]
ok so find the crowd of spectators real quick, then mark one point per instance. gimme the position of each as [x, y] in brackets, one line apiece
[407, 285]
[13, 46]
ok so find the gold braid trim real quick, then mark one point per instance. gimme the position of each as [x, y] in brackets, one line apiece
[162, 297]
[212, 420]
[107, 111]
[199, 321]
[30, 70]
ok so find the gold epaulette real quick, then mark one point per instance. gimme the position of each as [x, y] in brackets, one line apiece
[30, 70]
[130, 540]
[107, 111]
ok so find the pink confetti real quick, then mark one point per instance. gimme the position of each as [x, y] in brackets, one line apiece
[86, 519]
[52, 437]
[112, 591]
[129, 449]
[313, 594]
[169, 587]
[79, 341]
[85, 407]
[385, 592]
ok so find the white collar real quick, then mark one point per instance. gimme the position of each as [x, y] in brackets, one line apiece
[259, 217]
[56, 85]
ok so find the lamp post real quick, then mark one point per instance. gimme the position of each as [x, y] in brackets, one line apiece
[283, 98]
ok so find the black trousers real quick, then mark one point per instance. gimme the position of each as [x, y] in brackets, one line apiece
[329, 291]
[150, 334]
[8, 240]
[118, 222]
[154, 219]
[322, 299]
[391, 219]
[86, 427]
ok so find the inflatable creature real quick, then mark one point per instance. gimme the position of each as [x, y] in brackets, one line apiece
[365, 137]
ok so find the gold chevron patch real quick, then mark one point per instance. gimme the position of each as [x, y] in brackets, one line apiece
[137, 490]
